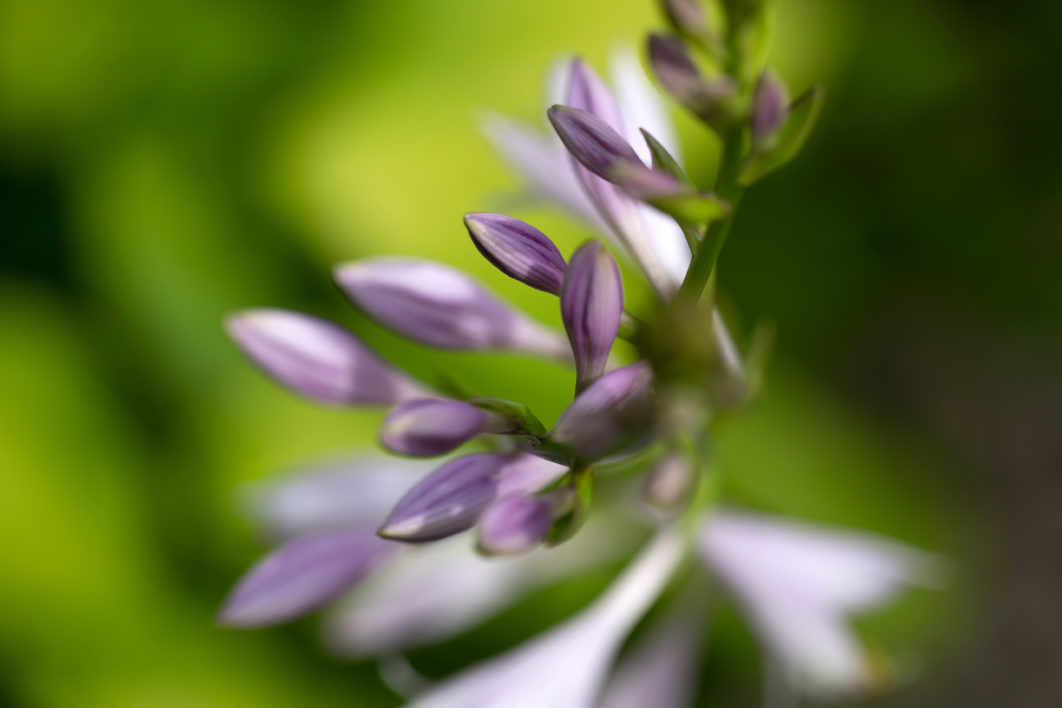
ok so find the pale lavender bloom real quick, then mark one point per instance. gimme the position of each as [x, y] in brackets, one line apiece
[442, 307]
[661, 669]
[654, 240]
[798, 584]
[428, 427]
[591, 307]
[450, 499]
[566, 666]
[608, 415]
[302, 575]
[517, 249]
[516, 523]
[651, 237]
[392, 612]
[333, 494]
[319, 359]
[770, 108]
[588, 93]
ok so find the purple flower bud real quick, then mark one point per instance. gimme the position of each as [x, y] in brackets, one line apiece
[674, 68]
[517, 249]
[318, 359]
[515, 524]
[770, 108]
[441, 307]
[435, 426]
[688, 17]
[302, 575]
[707, 99]
[609, 415]
[450, 499]
[588, 92]
[591, 306]
[669, 482]
[591, 141]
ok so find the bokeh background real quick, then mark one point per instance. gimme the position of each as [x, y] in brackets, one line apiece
[164, 163]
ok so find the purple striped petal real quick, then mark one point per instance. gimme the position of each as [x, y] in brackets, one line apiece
[434, 426]
[318, 359]
[770, 108]
[514, 524]
[591, 141]
[450, 500]
[610, 414]
[441, 307]
[302, 575]
[517, 249]
[591, 306]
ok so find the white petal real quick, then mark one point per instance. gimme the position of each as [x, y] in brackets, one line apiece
[641, 105]
[668, 243]
[798, 582]
[436, 591]
[542, 161]
[661, 668]
[340, 493]
[565, 667]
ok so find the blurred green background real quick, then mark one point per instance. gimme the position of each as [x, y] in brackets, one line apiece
[162, 164]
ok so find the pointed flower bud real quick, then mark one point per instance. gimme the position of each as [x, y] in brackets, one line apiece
[318, 359]
[688, 18]
[591, 141]
[669, 482]
[609, 415]
[515, 524]
[434, 426]
[624, 217]
[707, 99]
[770, 108]
[517, 249]
[441, 307]
[591, 303]
[673, 67]
[450, 499]
[302, 575]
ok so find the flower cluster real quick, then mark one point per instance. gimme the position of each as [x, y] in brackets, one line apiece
[526, 491]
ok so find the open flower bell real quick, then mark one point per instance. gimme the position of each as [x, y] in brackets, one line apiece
[526, 490]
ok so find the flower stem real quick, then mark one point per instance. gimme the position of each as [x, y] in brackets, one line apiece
[727, 187]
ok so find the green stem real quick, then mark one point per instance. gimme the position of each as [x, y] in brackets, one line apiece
[727, 187]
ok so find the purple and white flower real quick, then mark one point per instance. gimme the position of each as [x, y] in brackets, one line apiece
[372, 537]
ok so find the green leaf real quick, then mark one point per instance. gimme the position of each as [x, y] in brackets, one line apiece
[691, 207]
[520, 414]
[803, 113]
[582, 483]
[663, 161]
